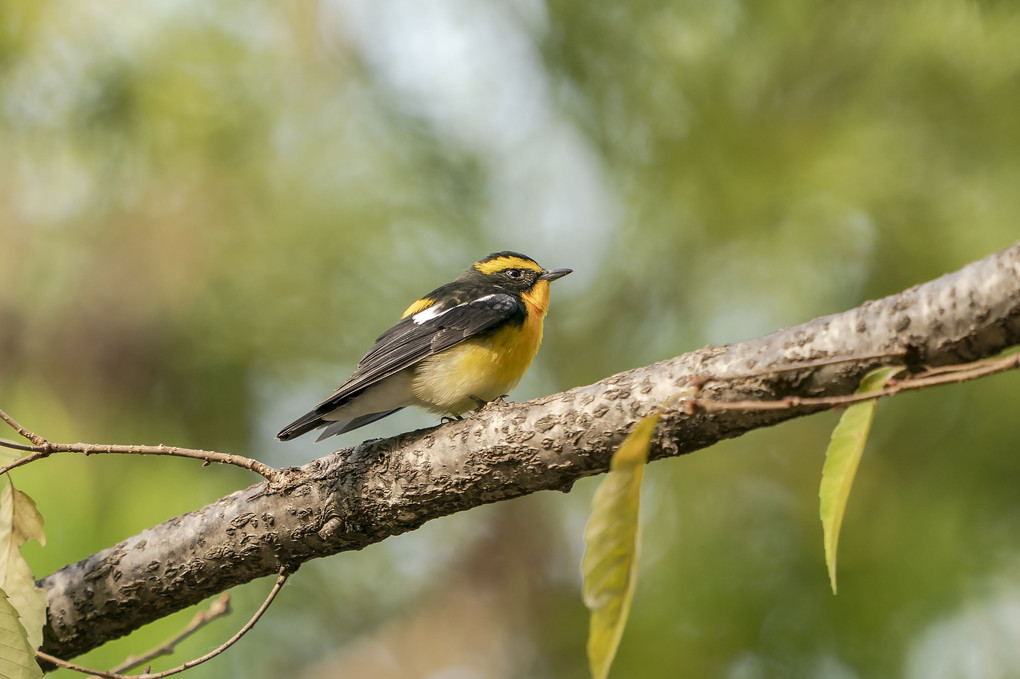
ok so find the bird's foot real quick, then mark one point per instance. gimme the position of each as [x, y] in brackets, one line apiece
[482, 403]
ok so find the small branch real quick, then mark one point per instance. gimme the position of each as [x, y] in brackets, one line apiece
[219, 608]
[900, 355]
[37, 452]
[935, 377]
[4, 443]
[34, 438]
[284, 573]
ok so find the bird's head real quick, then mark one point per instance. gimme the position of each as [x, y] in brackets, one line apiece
[514, 272]
[517, 274]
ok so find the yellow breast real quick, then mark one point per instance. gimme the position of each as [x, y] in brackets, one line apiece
[484, 367]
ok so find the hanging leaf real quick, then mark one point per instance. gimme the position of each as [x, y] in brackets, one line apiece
[841, 460]
[20, 522]
[17, 660]
[609, 564]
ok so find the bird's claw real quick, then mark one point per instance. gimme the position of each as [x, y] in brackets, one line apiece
[482, 403]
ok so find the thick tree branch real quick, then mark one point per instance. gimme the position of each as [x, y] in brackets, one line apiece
[361, 495]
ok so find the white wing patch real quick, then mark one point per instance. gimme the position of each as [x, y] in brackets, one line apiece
[437, 311]
[428, 314]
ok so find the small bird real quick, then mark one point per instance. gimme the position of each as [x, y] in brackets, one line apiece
[459, 347]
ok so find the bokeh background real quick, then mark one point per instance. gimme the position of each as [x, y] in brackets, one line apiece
[208, 211]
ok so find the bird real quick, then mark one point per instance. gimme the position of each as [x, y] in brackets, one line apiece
[459, 347]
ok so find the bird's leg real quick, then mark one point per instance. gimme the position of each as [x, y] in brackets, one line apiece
[482, 403]
[449, 418]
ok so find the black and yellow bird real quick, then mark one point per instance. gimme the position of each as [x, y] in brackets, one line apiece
[459, 347]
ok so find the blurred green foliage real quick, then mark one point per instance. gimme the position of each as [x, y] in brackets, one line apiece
[209, 210]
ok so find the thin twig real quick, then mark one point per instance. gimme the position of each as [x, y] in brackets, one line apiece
[818, 363]
[34, 438]
[281, 578]
[48, 448]
[964, 372]
[219, 608]
[17, 446]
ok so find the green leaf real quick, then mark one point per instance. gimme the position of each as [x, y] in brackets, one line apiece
[20, 522]
[17, 661]
[841, 460]
[609, 564]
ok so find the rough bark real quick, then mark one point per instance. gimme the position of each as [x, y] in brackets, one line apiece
[361, 495]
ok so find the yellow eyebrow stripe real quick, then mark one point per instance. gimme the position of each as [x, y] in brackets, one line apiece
[418, 305]
[500, 263]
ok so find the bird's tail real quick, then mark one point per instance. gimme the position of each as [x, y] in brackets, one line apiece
[302, 425]
[314, 420]
[344, 426]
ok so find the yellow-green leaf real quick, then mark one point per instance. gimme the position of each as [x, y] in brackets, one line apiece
[20, 521]
[841, 460]
[28, 522]
[17, 661]
[610, 560]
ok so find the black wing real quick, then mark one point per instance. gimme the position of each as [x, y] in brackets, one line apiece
[410, 341]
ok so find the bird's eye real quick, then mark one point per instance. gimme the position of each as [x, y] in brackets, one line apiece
[514, 273]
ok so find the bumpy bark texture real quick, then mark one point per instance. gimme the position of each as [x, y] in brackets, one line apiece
[380, 488]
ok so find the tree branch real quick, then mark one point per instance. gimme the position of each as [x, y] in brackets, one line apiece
[219, 608]
[361, 495]
[43, 449]
[281, 579]
[955, 374]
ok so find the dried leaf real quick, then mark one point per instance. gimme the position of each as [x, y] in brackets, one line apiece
[20, 521]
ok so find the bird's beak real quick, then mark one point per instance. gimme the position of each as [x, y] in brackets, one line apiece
[554, 274]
